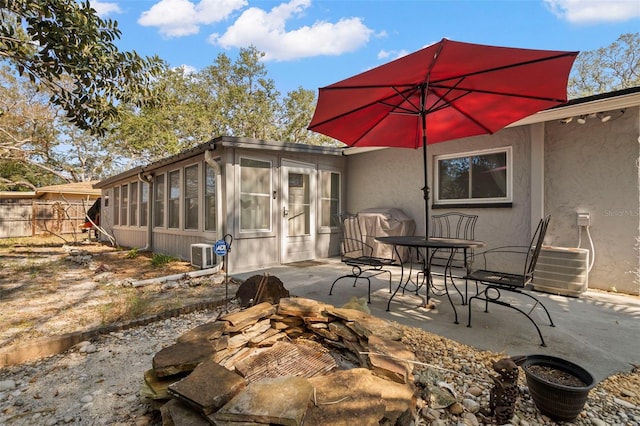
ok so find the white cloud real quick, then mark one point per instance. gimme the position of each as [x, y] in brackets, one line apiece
[105, 8]
[594, 11]
[187, 69]
[393, 54]
[177, 18]
[267, 32]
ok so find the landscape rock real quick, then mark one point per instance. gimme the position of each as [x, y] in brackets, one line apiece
[345, 395]
[208, 387]
[281, 401]
[470, 405]
[183, 357]
[6, 385]
[175, 413]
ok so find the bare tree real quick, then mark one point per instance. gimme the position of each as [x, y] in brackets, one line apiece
[610, 68]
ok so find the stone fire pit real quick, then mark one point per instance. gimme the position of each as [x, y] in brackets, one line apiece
[300, 361]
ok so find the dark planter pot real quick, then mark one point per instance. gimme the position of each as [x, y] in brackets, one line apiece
[560, 402]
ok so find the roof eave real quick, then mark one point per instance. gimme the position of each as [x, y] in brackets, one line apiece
[590, 105]
[224, 142]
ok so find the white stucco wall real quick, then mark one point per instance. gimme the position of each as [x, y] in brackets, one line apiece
[394, 178]
[593, 168]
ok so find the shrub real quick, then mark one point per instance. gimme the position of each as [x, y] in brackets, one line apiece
[133, 253]
[160, 259]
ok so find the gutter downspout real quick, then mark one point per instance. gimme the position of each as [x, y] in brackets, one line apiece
[148, 179]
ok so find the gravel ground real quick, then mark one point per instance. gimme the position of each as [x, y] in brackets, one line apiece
[98, 382]
[95, 383]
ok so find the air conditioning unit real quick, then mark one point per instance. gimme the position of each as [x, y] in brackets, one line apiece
[202, 255]
[562, 270]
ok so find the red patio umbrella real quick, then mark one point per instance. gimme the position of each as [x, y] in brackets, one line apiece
[445, 91]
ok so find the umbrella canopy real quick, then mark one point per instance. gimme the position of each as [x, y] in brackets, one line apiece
[445, 91]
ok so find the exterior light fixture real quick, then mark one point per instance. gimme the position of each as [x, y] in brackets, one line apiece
[566, 120]
[582, 119]
[603, 117]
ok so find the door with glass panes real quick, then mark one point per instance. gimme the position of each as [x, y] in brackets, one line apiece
[298, 211]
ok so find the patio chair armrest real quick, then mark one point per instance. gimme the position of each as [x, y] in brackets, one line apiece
[497, 250]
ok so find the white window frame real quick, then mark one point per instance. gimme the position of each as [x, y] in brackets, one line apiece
[196, 226]
[134, 205]
[162, 203]
[495, 200]
[143, 219]
[321, 199]
[257, 231]
[174, 200]
[124, 204]
[213, 227]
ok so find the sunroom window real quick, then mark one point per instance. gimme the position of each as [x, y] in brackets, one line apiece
[191, 197]
[210, 216]
[255, 195]
[158, 200]
[124, 204]
[173, 204]
[329, 197]
[144, 203]
[133, 214]
[479, 177]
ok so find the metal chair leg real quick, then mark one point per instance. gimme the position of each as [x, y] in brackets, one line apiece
[487, 299]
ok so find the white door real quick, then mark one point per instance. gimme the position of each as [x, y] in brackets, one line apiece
[298, 211]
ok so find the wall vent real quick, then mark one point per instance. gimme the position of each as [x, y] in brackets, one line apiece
[202, 255]
[562, 270]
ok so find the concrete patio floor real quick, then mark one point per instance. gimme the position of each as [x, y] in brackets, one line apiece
[599, 331]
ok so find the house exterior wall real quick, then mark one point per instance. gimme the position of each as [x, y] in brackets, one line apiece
[593, 167]
[249, 250]
[174, 242]
[394, 178]
[252, 251]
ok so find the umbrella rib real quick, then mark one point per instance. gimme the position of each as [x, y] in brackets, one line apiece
[442, 99]
[495, 92]
[403, 94]
[437, 83]
[503, 67]
[382, 101]
[407, 90]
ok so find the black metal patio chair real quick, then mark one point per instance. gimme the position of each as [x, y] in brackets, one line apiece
[496, 281]
[451, 225]
[359, 255]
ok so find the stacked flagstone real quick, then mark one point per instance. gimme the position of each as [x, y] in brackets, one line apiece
[300, 361]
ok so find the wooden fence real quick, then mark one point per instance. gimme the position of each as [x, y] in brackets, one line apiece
[32, 218]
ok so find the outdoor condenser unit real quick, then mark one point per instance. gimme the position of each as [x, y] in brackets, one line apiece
[202, 255]
[562, 270]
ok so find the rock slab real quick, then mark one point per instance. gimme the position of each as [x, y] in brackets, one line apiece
[208, 387]
[279, 401]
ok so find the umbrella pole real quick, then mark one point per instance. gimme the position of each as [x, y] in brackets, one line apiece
[426, 193]
[423, 117]
[426, 186]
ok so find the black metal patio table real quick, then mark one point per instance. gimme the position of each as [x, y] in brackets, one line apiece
[433, 243]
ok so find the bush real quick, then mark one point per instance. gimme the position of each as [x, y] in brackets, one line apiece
[160, 259]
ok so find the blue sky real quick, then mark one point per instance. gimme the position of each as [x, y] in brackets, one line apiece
[313, 43]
